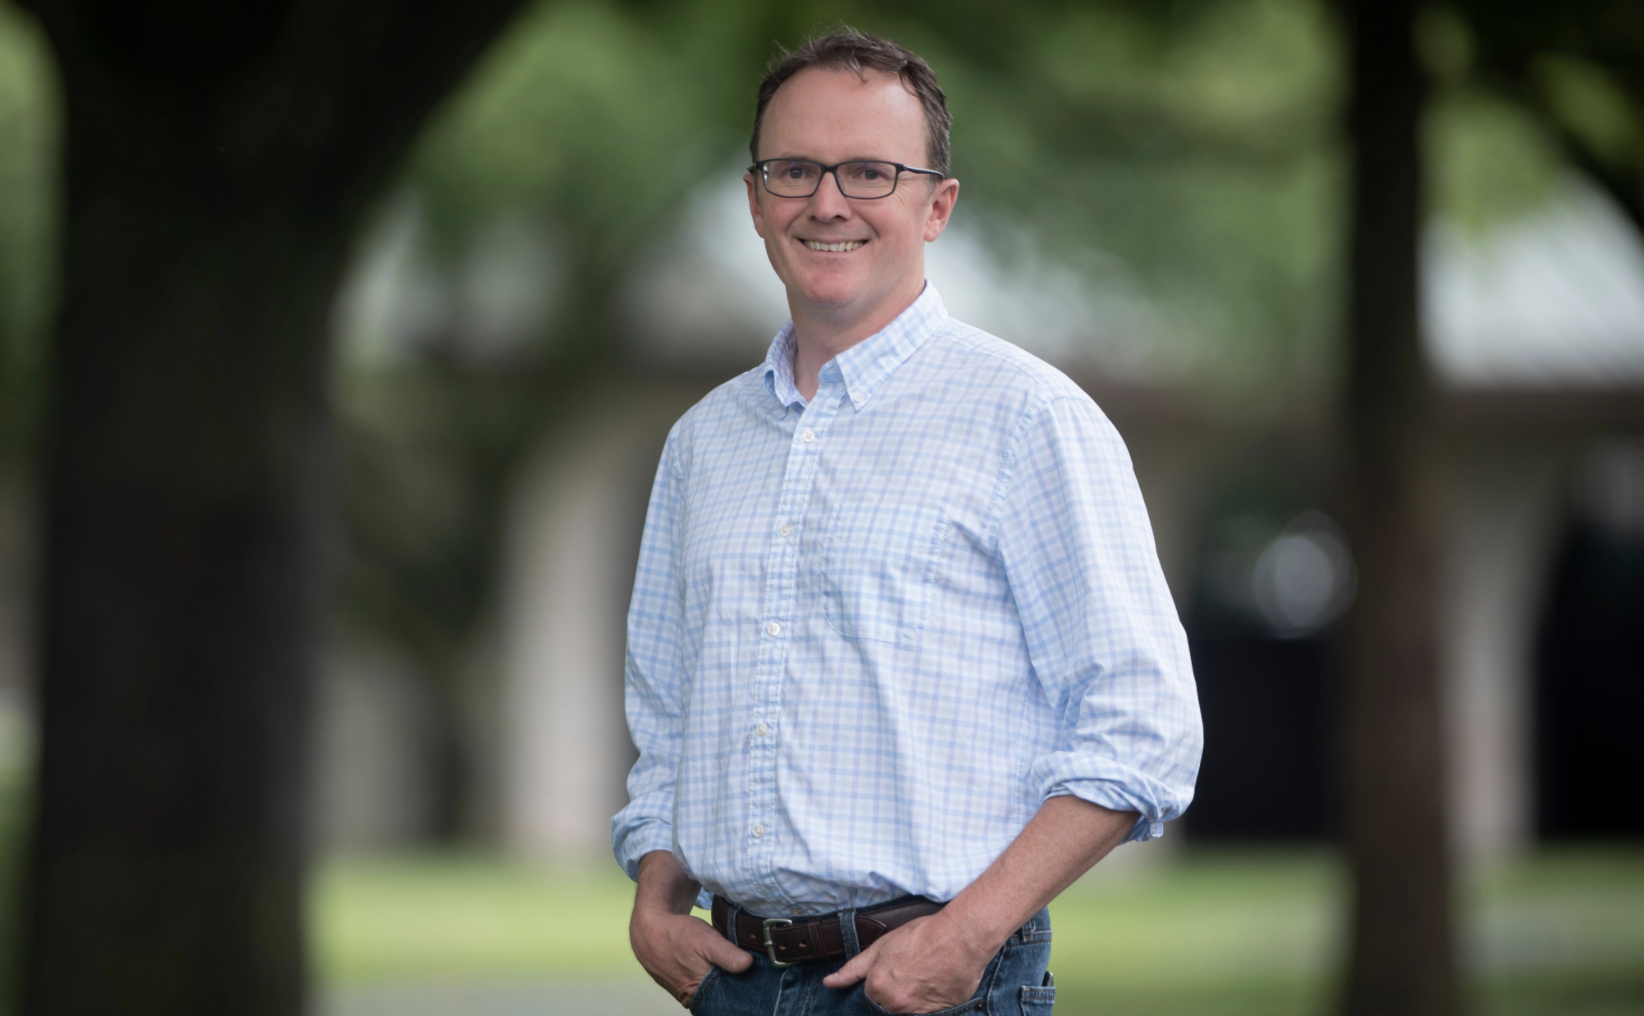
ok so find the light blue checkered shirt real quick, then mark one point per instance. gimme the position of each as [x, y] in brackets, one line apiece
[872, 634]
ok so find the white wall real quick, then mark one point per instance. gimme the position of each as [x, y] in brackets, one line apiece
[1502, 518]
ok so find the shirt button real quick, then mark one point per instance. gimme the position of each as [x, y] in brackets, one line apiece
[808, 436]
[773, 629]
[759, 831]
[761, 730]
[784, 530]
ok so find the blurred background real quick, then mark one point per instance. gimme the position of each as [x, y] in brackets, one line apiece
[1153, 201]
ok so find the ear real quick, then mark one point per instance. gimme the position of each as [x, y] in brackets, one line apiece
[942, 200]
[753, 205]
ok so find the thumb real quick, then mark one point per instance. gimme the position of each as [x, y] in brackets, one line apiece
[853, 971]
[722, 954]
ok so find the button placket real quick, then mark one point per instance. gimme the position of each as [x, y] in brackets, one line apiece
[782, 563]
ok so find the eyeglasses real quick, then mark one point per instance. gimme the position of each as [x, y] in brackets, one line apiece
[796, 178]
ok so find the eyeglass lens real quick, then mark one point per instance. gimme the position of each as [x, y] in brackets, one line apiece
[791, 178]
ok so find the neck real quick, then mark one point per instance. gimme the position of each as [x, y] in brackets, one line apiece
[821, 335]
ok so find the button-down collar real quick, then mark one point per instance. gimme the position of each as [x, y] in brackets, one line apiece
[865, 365]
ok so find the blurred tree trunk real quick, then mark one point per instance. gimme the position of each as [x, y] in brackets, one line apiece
[1402, 954]
[217, 160]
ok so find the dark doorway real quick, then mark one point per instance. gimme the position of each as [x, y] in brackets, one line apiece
[1265, 773]
[1590, 686]
[1269, 589]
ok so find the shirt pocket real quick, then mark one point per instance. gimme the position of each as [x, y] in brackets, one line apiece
[879, 562]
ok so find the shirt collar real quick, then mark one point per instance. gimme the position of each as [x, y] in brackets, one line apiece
[779, 368]
[865, 365]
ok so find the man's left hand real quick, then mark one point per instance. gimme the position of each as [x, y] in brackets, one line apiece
[923, 966]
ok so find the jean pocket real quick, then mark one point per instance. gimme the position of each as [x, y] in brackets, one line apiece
[973, 1005]
[702, 988]
[879, 562]
[1038, 1001]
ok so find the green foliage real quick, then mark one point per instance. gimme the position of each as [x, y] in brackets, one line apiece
[1196, 143]
[28, 203]
[587, 113]
[1490, 162]
[1593, 105]
[1578, 66]
[1198, 149]
[1192, 142]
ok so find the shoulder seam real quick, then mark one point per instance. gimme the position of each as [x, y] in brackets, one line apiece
[1007, 471]
[720, 391]
[1007, 474]
[953, 331]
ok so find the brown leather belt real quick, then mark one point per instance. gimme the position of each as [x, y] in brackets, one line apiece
[790, 941]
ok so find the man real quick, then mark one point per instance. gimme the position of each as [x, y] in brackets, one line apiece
[899, 636]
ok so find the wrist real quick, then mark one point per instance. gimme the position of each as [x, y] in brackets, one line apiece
[647, 909]
[976, 940]
[664, 887]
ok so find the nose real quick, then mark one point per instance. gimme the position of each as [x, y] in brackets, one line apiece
[829, 202]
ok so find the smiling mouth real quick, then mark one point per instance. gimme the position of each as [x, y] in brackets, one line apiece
[837, 248]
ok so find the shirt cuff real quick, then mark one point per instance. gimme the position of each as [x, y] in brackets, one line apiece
[1112, 785]
[630, 843]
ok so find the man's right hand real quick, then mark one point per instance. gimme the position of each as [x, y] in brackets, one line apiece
[676, 949]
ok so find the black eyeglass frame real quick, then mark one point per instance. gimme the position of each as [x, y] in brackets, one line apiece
[761, 169]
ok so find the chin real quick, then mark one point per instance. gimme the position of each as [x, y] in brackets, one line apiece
[831, 292]
[831, 299]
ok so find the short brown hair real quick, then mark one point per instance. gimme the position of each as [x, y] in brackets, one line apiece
[846, 49]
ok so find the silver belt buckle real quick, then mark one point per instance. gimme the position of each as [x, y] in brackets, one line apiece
[770, 947]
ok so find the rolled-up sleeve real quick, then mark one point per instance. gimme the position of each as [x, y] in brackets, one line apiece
[653, 678]
[1101, 628]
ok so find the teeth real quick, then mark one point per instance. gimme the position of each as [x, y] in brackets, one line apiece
[846, 245]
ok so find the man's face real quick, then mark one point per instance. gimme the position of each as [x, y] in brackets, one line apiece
[829, 117]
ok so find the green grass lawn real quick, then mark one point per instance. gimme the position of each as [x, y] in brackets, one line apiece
[1210, 933]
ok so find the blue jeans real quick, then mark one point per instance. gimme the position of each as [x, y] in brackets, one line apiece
[1012, 985]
